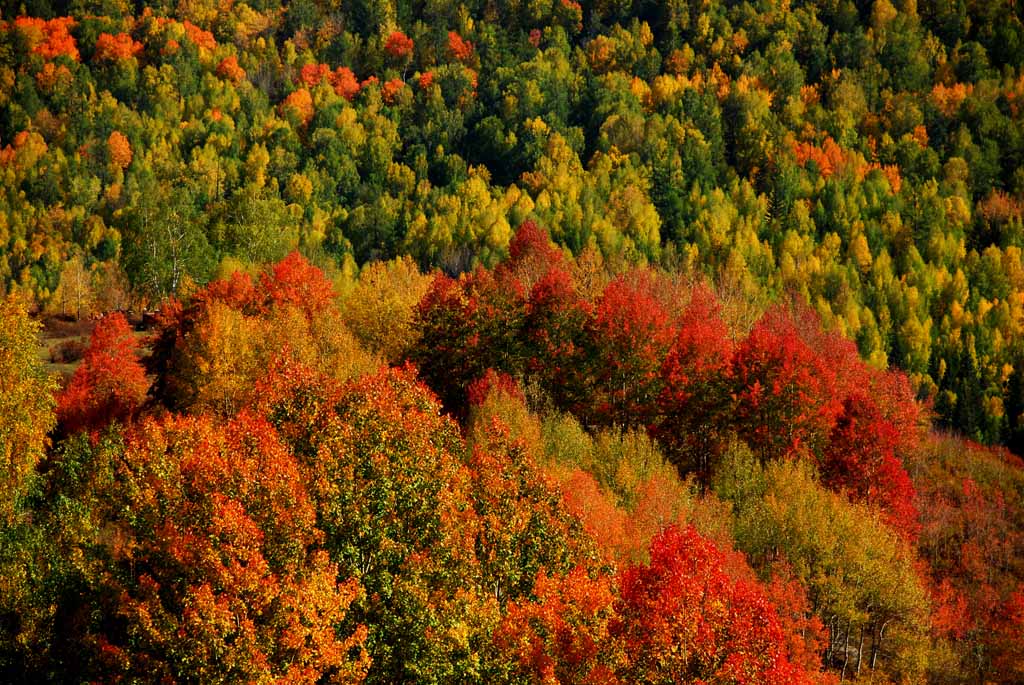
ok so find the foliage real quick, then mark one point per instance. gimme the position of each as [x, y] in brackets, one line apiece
[26, 405]
[110, 384]
[866, 161]
[379, 309]
[684, 617]
[859, 574]
[750, 237]
[972, 535]
[195, 568]
[210, 354]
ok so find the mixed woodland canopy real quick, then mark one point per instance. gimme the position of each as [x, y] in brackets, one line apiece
[546, 472]
[513, 341]
[865, 156]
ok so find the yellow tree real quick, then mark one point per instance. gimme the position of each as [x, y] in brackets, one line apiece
[26, 404]
[26, 418]
[74, 289]
[379, 310]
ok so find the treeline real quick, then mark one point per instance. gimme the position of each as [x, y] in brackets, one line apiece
[686, 489]
[865, 156]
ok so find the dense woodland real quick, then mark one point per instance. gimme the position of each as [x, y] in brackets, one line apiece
[546, 472]
[513, 342]
[865, 156]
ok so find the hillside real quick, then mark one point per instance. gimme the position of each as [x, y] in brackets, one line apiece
[594, 476]
[865, 156]
[512, 342]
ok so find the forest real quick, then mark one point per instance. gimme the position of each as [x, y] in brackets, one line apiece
[512, 341]
[545, 472]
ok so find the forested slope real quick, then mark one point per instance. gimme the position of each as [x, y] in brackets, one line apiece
[596, 476]
[866, 156]
[513, 342]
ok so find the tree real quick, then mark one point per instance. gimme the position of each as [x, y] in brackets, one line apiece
[26, 419]
[391, 91]
[460, 48]
[467, 326]
[565, 634]
[785, 391]
[345, 83]
[684, 618]
[380, 309]
[531, 255]
[631, 333]
[110, 288]
[391, 494]
[210, 354]
[110, 384]
[229, 69]
[441, 535]
[75, 288]
[398, 45]
[49, 38]
[116, 48]
[166, 245]
[119, 150]
[220, 359]
[259, 226]
[523, 526]
[557, 330]
[694, 399]
[26, 405]
[299, 103]
[860, 574]
[294, 281]
[214, 570]
[1009, 662]
[861, 460]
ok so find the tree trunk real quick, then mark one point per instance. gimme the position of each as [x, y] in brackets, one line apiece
[78, 299]
[860, 650]
[830, 653]
[846, 652]
[876, 645]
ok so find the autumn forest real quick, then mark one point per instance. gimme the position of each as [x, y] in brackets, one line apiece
[512, 341]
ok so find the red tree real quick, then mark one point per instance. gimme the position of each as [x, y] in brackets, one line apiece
[556, 338]
[493, 381]
[237, 291]
[229, 69]
[630, 336]
[202, 38]
[116, 48]
[301, 103]
[685, 620]
[311, 75]
[695, 375]
[110, 384]
[294, 281]
[785, 390]
[345, 83]
[861, 460]
[806, 637]
[398, 45]
[49, 39]
[564, 635]
[214, 571]
[531, 256]
[390, 91]
[460, 48]
[1008, 660]
[468, 326]
[611, 527]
